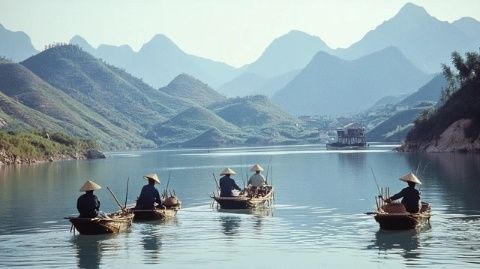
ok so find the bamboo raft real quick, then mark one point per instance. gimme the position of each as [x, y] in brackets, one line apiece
[114, 223]
[248, 199]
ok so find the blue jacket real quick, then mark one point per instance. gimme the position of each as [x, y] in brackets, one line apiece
[88, 205]
[411, 199]
[148, 196]
[227, 185]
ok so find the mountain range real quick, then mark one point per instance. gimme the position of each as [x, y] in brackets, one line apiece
[159, 61]
[330, 85]
[15, 46]
[422, 38]
[65, 89]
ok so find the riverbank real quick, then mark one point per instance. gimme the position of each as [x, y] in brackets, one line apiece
[35, 147]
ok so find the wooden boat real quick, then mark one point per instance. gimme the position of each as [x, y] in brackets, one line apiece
[248, 198]
[167, 210]
[111, 224]
[394, 217]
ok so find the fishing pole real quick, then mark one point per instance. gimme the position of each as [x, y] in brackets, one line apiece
[115, 197]
[216, 182]
[126, 193]
[268, 168]
[168, 182]
[376, 183]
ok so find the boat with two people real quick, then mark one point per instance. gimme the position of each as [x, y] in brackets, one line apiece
[258, 192]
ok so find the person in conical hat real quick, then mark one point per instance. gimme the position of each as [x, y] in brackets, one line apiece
[227, 184]
[410, 196]
[149, 194]
[257, 179]
[88, 204]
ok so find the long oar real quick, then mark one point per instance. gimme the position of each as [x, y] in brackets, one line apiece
[216, 182]
[114, 197]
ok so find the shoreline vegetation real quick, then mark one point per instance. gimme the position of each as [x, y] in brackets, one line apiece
[454, 126]
[28, 147]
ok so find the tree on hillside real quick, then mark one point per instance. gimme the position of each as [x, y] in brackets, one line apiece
[467, 69]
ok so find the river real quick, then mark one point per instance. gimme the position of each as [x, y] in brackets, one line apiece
[317, 219]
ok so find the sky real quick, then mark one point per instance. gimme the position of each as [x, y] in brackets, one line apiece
[232, 31]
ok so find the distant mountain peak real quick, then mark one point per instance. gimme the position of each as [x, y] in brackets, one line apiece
[80, 41]
[160, 41]
[410, 9]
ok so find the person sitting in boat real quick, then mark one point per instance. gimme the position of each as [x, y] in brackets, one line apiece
[410, 195]
[88, 204]
[149, 194]
[227, 184]
[257, 179]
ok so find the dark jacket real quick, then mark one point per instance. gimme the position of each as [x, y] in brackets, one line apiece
[88, 205]
[411, 199]
[227, 185]
[148, 196]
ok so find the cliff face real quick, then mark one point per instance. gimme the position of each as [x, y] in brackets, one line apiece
[453, 139]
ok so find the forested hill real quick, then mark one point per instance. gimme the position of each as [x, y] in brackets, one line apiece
[455, 125]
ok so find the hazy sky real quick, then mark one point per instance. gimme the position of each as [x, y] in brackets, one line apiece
[233, 31]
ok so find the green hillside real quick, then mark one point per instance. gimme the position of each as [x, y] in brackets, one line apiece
[64, 113]
[461, 100]
[395, 128]
[214, 138]
[29, 147]
[124, 100]
[189, 88]
[256, 111]
[188, 125]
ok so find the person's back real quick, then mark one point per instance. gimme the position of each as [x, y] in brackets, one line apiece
[227, 184]
[149, 194]
[88, 204]
[257, 180]
[410, 196]
[411, 199]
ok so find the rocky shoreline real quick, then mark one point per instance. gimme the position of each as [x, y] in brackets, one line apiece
[453, 139]
[8, 158]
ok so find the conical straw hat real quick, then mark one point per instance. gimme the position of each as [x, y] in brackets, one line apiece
[256, 168]
[410, 177]
[228, 171]
[90, 186]
[152, 176]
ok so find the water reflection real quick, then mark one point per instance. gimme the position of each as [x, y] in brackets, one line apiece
[89, 249]
[405, 241]
[230, 225]
[456, 174]
[152, 243]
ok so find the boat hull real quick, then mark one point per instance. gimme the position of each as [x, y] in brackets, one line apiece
[154, 214]
[336, 146]
[403, 221]
[115, 223]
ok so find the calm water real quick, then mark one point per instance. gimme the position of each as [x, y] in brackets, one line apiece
[317, 219]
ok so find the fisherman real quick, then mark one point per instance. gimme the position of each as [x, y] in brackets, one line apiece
[149, 194]
[88, 204]
[227, 184]
[257, 179]
[410, 195]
